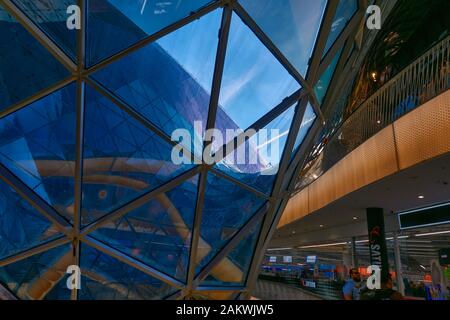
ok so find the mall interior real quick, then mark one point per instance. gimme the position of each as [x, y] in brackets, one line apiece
[111, 111]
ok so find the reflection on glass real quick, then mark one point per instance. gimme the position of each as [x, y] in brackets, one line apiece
[307, 122]
[37, 144]
[36, 277]
[169, 82]
[122, 158]
[344, 12]
[256, 162]
[51, 16]
[321, 88]
[106, 278]
[237, 263]
[114, 25]
[159, 232]
[21, 226]
[292, 25]
[25, 66]
[227, 207]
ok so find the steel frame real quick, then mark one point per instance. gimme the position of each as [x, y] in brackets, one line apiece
[271, 211]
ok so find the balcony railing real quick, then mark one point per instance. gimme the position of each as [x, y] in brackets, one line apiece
[424, 79]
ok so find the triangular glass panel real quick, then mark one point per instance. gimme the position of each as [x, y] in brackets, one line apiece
[256, 162]
[307, 122]
[227, 207]
[159, 232]
[114, 25]
[344, 12]
[37, 144]
[106, 278]
[321, 88]
[51, 17]
[122, 158]
[253, 83]
[233, 270]
[169, 81]
[34, 277]
[21, 226]
[292, 25]
[26, 67]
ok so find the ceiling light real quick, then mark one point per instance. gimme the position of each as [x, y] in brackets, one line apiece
[355, 218]
[321, 226]
[423, 267]
[324, 245]
[421, 197]
[432, 233]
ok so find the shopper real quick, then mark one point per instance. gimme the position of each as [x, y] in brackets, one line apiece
[352, 288]
[385, 293]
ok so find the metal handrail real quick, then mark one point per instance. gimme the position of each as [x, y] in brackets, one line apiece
[425, 78]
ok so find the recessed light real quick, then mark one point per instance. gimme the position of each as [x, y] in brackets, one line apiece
[321, 226]
[293, 232]
[421, 197]
[355, 218]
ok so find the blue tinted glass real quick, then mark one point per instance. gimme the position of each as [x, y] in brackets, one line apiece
[106, 278]
[25, 66]
[292, 25]
[307, 122]
[51, 16]
[233, 270]
[21, 226]
[227, 207]
[256, 162]
[37, 144]
[169, 82]
[122, 158]
[159, 232]
[60, 290]
[344, 12]
[114, 25]
[254, 82]
[322, 85]
[34, 277]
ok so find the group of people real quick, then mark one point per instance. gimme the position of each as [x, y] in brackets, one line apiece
[356, 289]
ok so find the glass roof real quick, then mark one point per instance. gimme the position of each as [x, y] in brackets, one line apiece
[87, 167]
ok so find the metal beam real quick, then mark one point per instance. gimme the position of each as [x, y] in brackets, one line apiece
[232, 243]
[33, 251]
[100, 246]
[154, 37]
[37, 96]
[39, 35]
[219, 66]
[6, 294]
[81, 100]
[40, 205]
[196, 230]
[139, 201]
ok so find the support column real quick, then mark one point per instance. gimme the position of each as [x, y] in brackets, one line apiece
[398, 265]
[377, 241]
